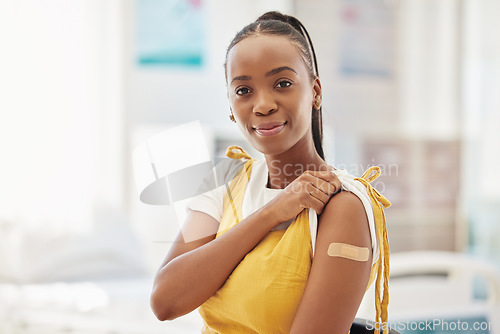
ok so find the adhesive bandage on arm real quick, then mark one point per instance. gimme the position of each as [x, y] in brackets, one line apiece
[347, 251]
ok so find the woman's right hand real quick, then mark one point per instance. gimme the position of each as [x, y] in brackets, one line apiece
[312, 189]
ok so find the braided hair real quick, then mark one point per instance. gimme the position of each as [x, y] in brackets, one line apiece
[277, 24]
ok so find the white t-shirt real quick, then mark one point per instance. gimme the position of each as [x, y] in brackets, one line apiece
[257, 195]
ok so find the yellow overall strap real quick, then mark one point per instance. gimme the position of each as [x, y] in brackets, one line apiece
[236, 152]
[377, 202]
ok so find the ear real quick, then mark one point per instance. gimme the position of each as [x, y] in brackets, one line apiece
[317, 92]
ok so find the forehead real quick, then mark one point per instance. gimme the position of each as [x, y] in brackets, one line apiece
[261, 53]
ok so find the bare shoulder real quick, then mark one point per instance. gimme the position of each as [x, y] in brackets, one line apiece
[345, 208]
[346, 198]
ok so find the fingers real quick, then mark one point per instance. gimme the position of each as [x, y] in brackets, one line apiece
[316, 205]
[315, 199]
[306, 188]
[304, 195]
[327, 175]
[327, 182]
[329, 188]
[313, 190]
[317, 193]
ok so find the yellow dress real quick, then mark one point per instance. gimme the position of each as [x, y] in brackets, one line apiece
[263, 292]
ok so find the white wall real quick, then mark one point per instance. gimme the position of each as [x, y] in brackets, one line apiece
[62, 144]
[481, 100]
[61, 122]
[429, 38]
[353, 106]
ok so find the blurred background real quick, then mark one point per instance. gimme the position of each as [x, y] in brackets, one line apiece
[410, 85]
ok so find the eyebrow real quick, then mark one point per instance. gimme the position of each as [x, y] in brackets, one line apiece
[278, 70]
[268, 74]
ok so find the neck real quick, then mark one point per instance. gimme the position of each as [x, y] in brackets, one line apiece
[285, 167]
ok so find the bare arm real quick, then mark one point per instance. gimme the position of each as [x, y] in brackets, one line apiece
[336, 285]
[193, 272]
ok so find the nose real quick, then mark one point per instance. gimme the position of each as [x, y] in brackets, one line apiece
[265, 103]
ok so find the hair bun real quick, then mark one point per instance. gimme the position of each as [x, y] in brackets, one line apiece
[274, 15]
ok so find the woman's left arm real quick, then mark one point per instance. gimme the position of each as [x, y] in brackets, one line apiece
[336, 285]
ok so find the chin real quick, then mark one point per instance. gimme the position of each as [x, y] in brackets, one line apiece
[271, 148]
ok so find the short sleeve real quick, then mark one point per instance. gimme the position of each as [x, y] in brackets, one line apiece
[210, 203]
[211, 194]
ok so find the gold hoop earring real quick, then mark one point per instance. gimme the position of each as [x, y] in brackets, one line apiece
[231, 117]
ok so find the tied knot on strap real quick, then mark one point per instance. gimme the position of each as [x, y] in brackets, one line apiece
[366, 179]
[370, 171]
[236, 152]
[378, 200]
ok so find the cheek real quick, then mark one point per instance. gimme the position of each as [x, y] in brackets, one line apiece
[240, 107]
[241, 113]
[304, 123]
[305, 109]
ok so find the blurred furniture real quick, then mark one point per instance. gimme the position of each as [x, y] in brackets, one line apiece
[437, 280]
[451, 287]
[113, 306]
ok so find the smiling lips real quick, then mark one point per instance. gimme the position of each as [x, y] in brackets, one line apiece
[269, 129]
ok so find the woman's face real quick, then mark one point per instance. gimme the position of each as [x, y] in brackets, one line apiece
[271, 93]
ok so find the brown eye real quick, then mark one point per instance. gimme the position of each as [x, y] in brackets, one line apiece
[284, 84]
[243, 91]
